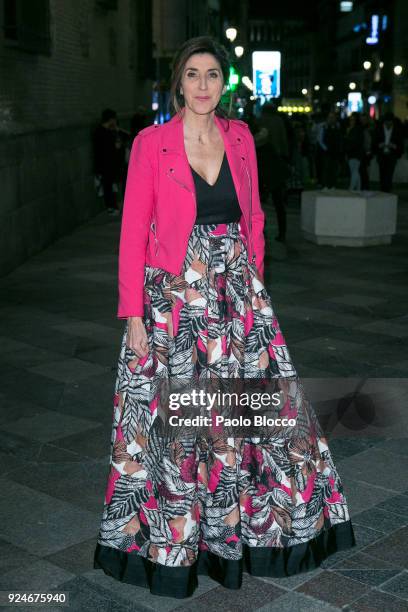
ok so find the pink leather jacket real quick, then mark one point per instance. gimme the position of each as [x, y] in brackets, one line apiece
[159, 209]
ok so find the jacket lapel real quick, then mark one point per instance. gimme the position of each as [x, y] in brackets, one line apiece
[175, 161]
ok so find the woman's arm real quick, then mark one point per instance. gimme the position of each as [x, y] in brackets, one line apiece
[136, 215]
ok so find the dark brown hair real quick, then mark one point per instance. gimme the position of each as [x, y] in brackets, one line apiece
[198, 44]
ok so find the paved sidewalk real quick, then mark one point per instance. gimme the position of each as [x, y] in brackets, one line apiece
[344, 313]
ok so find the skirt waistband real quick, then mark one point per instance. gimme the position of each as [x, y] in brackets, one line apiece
[217, 229]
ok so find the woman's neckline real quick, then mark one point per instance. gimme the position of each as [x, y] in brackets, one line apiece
[218, 176]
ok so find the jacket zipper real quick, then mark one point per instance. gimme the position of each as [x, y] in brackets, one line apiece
[169, 174]
[153, 227]
[250, 215]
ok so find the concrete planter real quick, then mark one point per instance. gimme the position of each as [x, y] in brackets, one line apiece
[345, 218]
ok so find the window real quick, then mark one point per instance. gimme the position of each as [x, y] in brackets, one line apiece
[26, 25]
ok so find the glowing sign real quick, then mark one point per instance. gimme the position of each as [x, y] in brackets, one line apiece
[266, 67]
[355, 102]
[373, 38]
[346, 7]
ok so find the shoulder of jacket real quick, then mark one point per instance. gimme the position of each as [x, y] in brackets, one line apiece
[155, 127]
[240, 123]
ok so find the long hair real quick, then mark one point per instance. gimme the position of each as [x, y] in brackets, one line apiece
[198, 44]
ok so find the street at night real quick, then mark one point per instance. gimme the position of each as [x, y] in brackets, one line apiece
[203, 191]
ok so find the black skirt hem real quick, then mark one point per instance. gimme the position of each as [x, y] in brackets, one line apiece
[181, 582]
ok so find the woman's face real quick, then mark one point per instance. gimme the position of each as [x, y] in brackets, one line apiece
[202, 83]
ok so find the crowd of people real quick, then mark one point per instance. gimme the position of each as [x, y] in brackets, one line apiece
[293, 153]
[323, 152]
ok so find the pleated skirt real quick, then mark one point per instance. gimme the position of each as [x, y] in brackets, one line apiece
[176, 508]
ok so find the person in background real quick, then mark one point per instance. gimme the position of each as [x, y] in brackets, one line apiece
[330, 142]
[388, 147]
[109, 144]
[354, 149]
[273, 150]
[367, 155]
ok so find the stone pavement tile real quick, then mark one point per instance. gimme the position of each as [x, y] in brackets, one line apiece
[387, 371]
[366, 569]
[382, 519]
[288, 288]
[397, 504]
[68, 370]
[17, 451]
[81, 483]
[357, 299]
[40, 336]
[13, 557]
[397, 586]
[291, 582]
[90, 399]
[252, 595]
[13, 409]
[306, 371]
[84, 597]
[319, 315]
[367, 285]
[333, 588]
[93, 443]
[377, 467]
[19, 384]
[399, 446]
[364, 536]
[87, 329]
[103, 356]
[361, 496]
[392, 547]
[39, 576]
[386, 328]
[142, 598]
[296, 602]
[76, 559]
[27, 355]
[49, 426]
[10, 462]
[41, 523]
[326, 343]
[343, 447]
[375, 601]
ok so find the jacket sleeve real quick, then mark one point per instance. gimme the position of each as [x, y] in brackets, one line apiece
[136, 216]
[258, 215]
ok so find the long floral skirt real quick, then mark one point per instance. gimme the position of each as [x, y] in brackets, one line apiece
[176, 507]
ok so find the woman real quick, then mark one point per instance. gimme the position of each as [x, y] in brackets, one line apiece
[191, 288]
[354, 150]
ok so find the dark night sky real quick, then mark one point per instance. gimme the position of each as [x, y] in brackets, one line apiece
[282, 9]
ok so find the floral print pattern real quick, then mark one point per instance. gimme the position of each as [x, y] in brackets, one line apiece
[166, 500]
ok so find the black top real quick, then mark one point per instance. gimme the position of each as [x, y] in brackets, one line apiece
[216, 203]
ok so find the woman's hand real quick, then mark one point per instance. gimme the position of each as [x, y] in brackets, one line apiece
[136, 338]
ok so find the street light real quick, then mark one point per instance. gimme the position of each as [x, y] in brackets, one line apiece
[330, 87]
[316, 87]
[247, 81]
[231, 34]
[239, 51]
[352, 85]
[381, 64]
[367, 65]
[304, 92]
[397, 70]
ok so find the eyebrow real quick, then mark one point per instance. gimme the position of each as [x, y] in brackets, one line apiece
[191, 68]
